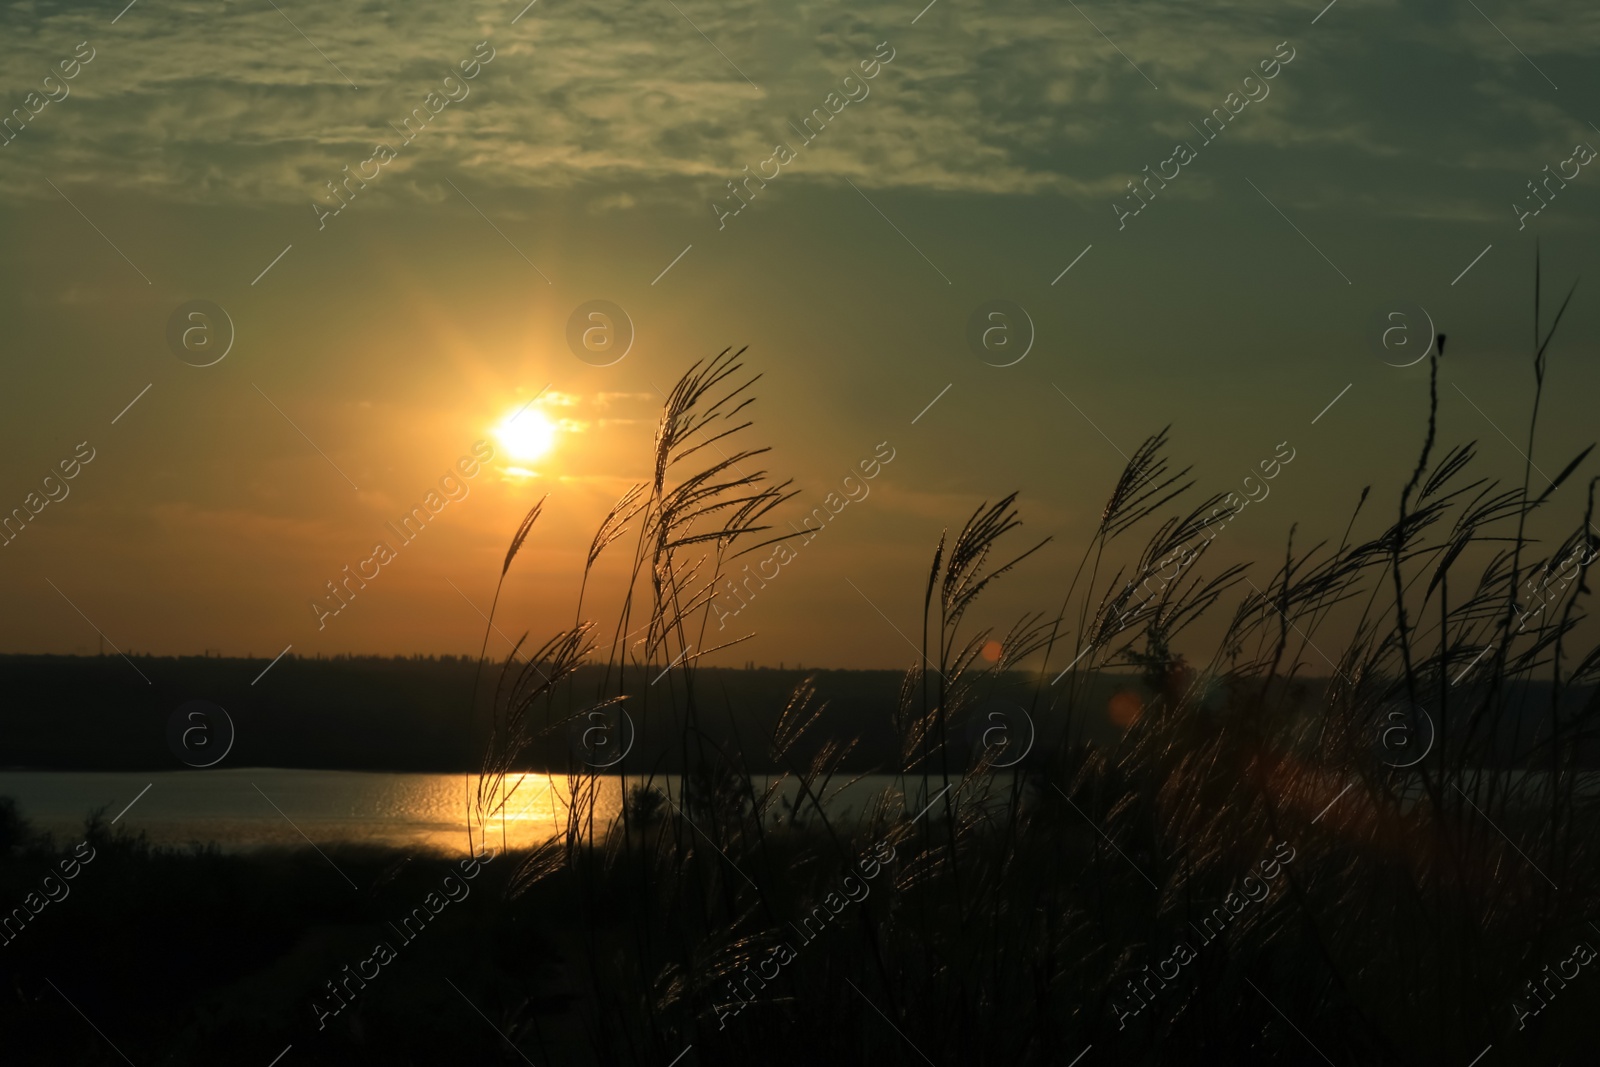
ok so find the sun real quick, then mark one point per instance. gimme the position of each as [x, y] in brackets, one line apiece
[527, 434]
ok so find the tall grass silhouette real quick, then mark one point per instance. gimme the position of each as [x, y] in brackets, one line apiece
[1389, 709]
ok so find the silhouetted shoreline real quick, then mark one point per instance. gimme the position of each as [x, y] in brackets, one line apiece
[378, 713]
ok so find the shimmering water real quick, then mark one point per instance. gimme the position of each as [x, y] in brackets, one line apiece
[255, 807]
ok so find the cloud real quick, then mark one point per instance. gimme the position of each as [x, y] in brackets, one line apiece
[627, 102]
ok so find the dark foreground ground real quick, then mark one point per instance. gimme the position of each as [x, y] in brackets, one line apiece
[870, 948]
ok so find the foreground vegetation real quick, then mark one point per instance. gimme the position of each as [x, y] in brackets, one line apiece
[1376, 875]
[1372, 871]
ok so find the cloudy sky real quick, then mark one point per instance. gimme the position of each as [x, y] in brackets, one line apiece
[1399, 159]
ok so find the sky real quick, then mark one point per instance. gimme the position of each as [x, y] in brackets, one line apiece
[1362, 161]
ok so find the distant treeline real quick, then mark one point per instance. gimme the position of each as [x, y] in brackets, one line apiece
[417, 714]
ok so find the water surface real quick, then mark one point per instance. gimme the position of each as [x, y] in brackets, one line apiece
[245, 808]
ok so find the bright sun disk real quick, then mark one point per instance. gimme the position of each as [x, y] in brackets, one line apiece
[527, 434]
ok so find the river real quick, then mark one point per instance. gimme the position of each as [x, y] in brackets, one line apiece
[247, 808]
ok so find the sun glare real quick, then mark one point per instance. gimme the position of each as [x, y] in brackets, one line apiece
[527, 434]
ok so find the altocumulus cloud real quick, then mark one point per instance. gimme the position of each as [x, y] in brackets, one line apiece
[228, 104]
